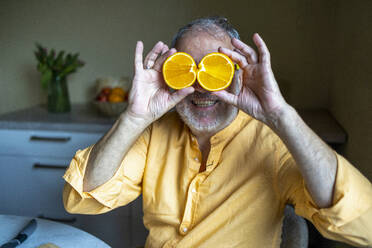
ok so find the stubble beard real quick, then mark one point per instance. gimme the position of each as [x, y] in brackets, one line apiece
[223, 114]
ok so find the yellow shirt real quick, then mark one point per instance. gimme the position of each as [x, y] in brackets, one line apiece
[237, 201]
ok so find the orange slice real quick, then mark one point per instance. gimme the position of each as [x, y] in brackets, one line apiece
[215, 72]
[179, 71]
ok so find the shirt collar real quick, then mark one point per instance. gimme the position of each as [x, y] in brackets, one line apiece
[232, 129]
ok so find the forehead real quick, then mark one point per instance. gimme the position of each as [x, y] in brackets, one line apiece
[199, 43]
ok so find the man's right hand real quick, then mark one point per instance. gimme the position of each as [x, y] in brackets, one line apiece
[150, 97]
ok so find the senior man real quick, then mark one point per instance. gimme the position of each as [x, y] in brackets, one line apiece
[219, 170]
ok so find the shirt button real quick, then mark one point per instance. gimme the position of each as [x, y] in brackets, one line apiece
[185, 229]
[193, 190]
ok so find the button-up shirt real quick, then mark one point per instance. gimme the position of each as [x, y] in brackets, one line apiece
[237, 201]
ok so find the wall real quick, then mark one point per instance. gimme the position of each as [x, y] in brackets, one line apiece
[105, 34]
[351, 87]
[321, 50]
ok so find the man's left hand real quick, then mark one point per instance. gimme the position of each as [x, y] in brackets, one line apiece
[259, 96]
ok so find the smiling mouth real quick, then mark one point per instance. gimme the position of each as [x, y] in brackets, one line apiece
[204, 103]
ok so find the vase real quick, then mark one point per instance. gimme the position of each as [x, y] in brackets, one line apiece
[58, 97]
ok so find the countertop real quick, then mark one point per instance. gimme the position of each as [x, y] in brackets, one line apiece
[82, 118]
[85, 118]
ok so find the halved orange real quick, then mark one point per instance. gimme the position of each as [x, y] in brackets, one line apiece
[179, 70]
[215, 72]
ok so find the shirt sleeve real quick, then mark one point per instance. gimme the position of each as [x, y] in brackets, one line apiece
[121, 189]
[348, 219]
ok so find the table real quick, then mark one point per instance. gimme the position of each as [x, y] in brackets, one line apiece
[62, 235]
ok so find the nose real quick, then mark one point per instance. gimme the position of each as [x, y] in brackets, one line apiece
[198, 88]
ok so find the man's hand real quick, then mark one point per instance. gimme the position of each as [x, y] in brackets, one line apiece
[259, 96]
[150, 97]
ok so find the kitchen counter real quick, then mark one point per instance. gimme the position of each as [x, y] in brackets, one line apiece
[82, 118]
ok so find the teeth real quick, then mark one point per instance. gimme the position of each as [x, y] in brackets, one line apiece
[203, 103]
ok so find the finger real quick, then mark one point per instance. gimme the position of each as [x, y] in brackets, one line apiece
[178, 95]
[159, 62]
[227, 97]
[153, 55]
[165, 49]
[235, 56]
[138, 57]
[262, 49]
[246, 50]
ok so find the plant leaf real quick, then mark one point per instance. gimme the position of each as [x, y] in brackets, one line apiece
[50, 58]
[42, 67]
[67, 70]
[59, 60]
[46, 76]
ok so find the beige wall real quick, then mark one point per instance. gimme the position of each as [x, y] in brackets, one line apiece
[351, 87]
[321, 50]
[105, 32]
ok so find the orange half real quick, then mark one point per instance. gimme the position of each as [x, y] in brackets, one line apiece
[215, 72]
[179, 70]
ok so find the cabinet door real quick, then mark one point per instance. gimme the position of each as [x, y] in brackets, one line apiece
[32, 186]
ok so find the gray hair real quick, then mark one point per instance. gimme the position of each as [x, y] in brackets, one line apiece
[209, 25]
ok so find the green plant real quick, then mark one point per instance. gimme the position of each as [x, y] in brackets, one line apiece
[50, 65]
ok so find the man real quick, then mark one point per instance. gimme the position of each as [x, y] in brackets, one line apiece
[218, 171]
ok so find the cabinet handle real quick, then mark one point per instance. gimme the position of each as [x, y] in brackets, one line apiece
[50, 139]
[63, 220]
[49, 166]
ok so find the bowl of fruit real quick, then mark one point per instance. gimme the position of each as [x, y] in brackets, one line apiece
[111, 96]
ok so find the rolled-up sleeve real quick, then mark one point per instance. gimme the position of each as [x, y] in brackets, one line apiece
[349, 218]
[121, 189]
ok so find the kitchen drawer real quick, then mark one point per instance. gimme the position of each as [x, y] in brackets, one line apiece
[44, 143]
[32, 186]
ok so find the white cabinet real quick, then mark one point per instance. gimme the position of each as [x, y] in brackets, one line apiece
[32, 163]
[32, 186]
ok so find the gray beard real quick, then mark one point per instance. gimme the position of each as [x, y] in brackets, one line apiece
[225, 114]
